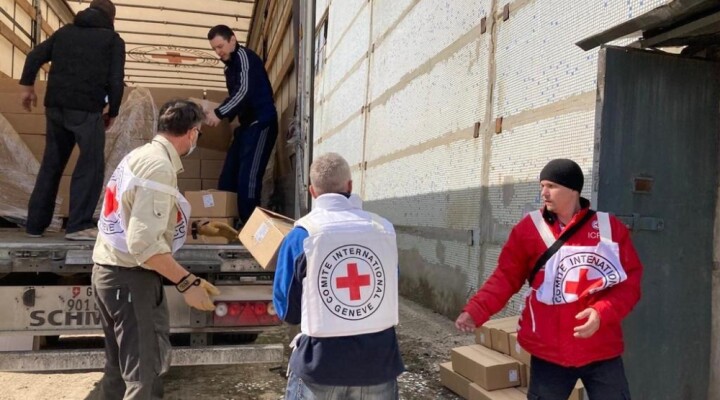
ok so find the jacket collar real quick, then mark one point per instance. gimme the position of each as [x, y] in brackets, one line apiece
[551, 218]
[230, 60]
[174, 156]
[337, 202]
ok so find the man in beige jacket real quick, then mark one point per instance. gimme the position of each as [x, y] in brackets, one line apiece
[143, 221]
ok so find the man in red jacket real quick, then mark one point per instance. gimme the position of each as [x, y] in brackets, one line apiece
[571, 322]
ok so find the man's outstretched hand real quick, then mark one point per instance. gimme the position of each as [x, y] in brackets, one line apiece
[465, 323]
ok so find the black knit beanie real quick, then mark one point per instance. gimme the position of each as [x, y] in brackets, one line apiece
[563, 172]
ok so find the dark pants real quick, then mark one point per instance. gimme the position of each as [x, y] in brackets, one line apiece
[64, 129]
[245, 164]
[134, 316]
[603, 380]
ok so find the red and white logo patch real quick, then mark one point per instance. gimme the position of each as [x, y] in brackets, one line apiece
[351, 282]
[582, 274]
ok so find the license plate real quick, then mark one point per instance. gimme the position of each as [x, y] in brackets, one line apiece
[64, 307]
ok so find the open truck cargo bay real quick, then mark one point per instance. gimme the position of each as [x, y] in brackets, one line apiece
[45, 281]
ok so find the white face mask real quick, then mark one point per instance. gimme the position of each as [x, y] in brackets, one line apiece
[194, 144]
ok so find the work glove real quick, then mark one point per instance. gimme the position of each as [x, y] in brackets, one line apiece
[214, 228]
[197, 292]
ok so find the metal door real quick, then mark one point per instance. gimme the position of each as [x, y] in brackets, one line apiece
[657, 126]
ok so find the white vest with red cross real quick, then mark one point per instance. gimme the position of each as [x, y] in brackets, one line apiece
[574, 272]
[112, 225]
[351, 284]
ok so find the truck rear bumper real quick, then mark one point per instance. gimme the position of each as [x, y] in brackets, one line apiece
[94, 359]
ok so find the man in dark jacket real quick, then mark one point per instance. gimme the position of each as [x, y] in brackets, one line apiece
[251, 101]
[88, 61]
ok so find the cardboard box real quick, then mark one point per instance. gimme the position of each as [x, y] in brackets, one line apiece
[212, 154]
[579, 392]
[209, 184]
[36, 144]
[191, 169]
[212, 203]
[208, 239]
[454, 381]
[64, 194]
[485, 367]
[499, 334]
[516, 351]
[524, 375]
[210, 169]
[189, 185]
[26, 123]
[217, 137]
[483, 336]
[263, 234]
[478, 393]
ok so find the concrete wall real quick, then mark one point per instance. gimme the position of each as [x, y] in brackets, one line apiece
[411, 93]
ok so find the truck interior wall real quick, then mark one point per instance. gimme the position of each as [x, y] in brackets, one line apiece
[447, 126]
[271, 37]
[135, 125]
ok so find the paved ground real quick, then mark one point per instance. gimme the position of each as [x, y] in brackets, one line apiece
[425, 340]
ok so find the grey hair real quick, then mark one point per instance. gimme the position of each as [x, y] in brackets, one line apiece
[330, 173]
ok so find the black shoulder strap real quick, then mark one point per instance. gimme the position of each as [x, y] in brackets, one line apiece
[558, 243]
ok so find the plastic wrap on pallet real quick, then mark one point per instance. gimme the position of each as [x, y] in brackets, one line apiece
[135, 125]
[18, 171]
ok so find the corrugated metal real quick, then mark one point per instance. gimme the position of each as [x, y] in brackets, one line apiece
[670, 106]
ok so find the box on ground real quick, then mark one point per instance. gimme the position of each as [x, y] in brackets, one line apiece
[263, 234]
[212, 203]
[485, 367]
[500, 338]
[200, 239]
[479, 393]
[454, 381]
[483, 337]
[516, 351]
[483, 334]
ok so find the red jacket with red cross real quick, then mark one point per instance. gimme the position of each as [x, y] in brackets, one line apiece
[546, 331]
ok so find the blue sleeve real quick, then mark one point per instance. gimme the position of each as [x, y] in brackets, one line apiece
[289, 271]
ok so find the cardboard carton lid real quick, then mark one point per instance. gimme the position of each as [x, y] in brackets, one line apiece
[488, 357]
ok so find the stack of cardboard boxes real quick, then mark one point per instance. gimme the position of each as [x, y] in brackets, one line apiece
[211, 205]
[201, 169]
[495, 368]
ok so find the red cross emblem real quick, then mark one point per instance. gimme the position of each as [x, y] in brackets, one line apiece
[111, 204]
[583, 285]
[353, 281]
[174, 57]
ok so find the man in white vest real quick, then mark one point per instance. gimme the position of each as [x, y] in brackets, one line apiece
[580, 290]
[336, 276]
[144, 220]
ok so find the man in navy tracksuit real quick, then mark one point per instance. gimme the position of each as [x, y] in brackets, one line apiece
[251, 101]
